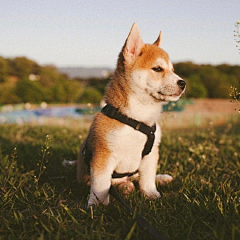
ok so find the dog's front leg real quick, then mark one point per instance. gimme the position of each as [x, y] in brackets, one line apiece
[100, 185]
[147, 173]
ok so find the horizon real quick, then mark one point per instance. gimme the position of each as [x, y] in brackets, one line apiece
[113, 67]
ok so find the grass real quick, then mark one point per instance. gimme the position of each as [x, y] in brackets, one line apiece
[40, 199]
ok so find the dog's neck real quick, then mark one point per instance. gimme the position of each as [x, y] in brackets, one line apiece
[117, 92]
[142, 108]
[134, 104]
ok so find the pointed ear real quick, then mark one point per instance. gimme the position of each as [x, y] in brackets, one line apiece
[133, 44]
[159, 40]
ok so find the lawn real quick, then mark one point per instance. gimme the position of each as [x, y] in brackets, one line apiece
[40, 199]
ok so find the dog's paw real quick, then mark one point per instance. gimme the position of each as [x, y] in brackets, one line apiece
[154, 194]
[163, 179]
[126, 187]
[95, 199]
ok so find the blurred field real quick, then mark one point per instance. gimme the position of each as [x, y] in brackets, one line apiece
[187, 114]
[196, 113]
[200, 113]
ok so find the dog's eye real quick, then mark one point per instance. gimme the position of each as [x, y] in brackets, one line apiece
[157, 69]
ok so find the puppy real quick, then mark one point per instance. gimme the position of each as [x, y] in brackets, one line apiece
[124, 138]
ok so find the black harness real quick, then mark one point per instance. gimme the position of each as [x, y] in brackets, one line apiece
[114, 113]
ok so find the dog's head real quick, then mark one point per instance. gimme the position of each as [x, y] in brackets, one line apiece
[149, 68]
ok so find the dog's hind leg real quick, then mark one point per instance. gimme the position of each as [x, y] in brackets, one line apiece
[82, 170]
[125, 185]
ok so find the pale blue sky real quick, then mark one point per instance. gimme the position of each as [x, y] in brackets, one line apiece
[91, 32]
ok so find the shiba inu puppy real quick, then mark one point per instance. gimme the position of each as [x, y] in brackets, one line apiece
[124, 138]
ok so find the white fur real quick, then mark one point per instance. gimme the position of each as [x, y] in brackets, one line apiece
[163, 179]
[142, 108]
[126, 145]
[100, 184]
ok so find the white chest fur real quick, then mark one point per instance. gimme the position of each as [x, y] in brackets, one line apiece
[142, 107]
[126, 145]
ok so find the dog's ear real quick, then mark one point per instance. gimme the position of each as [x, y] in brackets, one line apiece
[133, 44]
[159, 40]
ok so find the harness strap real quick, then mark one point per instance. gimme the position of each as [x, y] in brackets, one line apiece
[114, 113]
[121, 175]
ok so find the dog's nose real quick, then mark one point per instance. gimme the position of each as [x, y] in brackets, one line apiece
[181, 83]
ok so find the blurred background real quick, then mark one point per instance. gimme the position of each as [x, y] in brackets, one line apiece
[56, 57]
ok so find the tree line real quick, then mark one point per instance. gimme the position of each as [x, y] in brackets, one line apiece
[207, 81]
[23, 80]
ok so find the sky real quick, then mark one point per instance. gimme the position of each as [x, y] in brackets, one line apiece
[91, 33]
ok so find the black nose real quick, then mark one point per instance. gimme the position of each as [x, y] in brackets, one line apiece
[181, 84]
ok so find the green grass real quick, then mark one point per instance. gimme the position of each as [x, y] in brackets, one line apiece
[40, 199]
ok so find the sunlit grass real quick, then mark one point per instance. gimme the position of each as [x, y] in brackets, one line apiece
[40, 199]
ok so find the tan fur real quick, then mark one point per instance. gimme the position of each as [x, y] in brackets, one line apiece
[97, 144]
[149, 54]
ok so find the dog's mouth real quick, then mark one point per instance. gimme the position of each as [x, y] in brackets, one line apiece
[168, 95]
[159, 96]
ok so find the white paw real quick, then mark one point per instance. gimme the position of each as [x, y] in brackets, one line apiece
[151, 194]
[163, 179]
[95, 199]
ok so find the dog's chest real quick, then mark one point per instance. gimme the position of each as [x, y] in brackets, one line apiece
[126, 145]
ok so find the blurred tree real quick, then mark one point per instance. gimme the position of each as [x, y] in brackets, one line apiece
[196, 88]
[58, 92]
[229, 70]
[90, 95]
[23, 67]
[186, 69]
[73, 90]
[3, 70]
[67, 91]
[53, 86]
[49, 75]
[7, 94]
[216, 82]
[29, 91]
[98, 83]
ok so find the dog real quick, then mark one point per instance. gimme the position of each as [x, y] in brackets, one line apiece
[124, 137]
